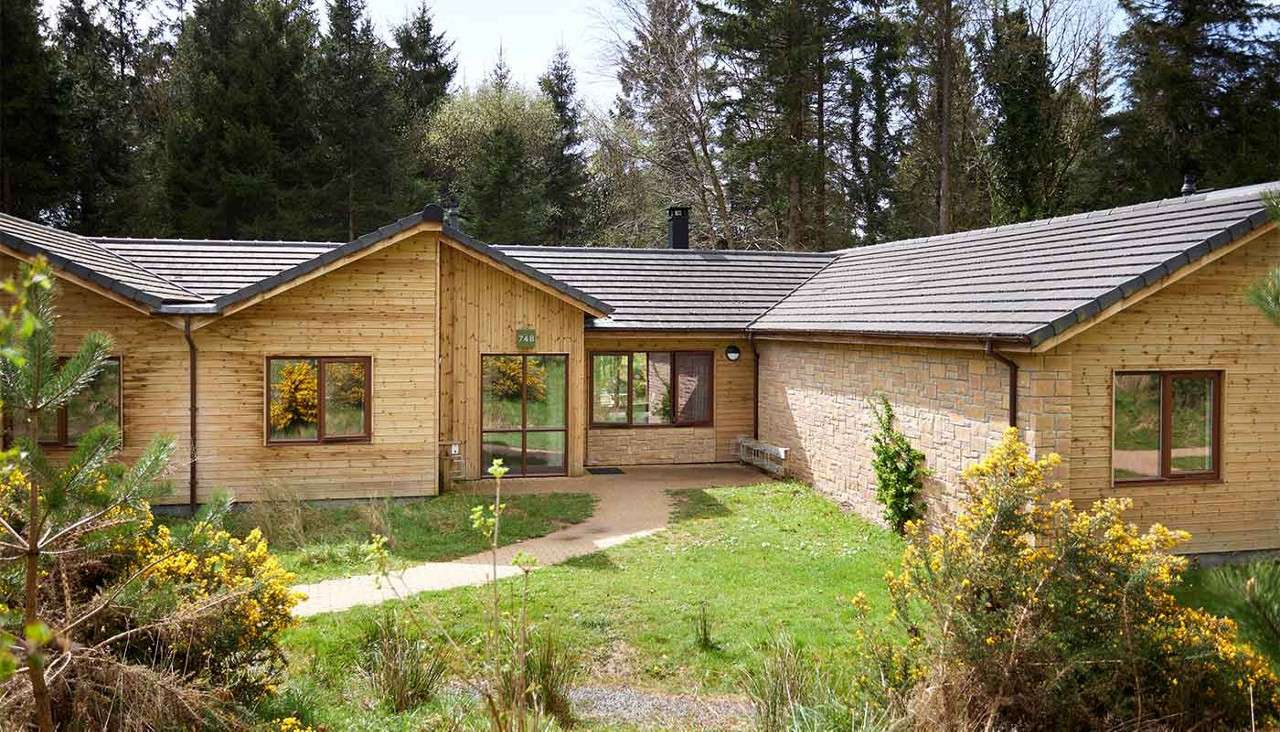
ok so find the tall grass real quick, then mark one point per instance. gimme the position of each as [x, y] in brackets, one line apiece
[403, 670]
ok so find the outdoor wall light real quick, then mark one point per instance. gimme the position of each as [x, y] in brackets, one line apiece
[733, 353]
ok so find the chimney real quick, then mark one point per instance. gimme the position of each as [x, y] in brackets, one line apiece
[678, 227]
[1188, 185]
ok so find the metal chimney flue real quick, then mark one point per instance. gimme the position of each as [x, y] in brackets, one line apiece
[1188, 185]
[678, 227]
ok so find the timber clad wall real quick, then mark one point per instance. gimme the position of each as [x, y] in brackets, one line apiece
[733, 403]
[384, 306]
[1199, 322]
[482, 308]
[153, 357]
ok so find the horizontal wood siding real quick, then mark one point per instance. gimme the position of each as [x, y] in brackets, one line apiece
[482, 307]
[153, 362]
[382, 306]
[1200, 322]
[733, 403]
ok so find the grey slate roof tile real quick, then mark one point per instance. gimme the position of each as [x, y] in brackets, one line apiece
[662, 289]
[93, 262]
[1025, 282]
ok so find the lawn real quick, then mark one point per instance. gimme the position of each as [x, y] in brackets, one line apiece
[762, 558]
[323, 541]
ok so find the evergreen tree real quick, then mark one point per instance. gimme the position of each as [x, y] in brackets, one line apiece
[240, 148]
[362, 149]
[1203, 94]
[941, 180]
[1027, 180]
[493, 144]
[100, 58]
[780, 61]
[873, 98]
[566, 163]
[424, 66]
[31, 107]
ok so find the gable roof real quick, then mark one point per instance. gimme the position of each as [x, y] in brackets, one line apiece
[669, 289]
[91, 262]
[1024, 283]
[206, 276]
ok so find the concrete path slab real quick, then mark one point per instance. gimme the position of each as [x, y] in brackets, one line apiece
[628, 506]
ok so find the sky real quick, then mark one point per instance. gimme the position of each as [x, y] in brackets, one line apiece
[527, 31]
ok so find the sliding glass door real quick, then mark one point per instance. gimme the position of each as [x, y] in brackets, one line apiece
[525, 409]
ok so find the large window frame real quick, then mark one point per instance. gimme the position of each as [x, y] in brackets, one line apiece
[1167, 474]
[522, 470]
[320, 438]
[631, 392]
[63, 439]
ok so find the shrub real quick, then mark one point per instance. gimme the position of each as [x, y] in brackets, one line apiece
[1251, 595]
[404, 671]
[1025, 613]
[295, 395]
[899, 467]
[234, 592]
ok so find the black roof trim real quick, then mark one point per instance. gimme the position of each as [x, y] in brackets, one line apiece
[494, 253]
[311, 265]
[22, 246]
[1091, 309]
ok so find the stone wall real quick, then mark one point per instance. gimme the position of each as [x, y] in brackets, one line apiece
[650, 445]
[952, 404]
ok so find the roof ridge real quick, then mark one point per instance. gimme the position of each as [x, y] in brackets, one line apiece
[1225, 194]
[178, 240]
[663, 250]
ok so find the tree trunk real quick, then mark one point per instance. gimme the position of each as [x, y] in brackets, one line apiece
[822, 141]
[31, 592]
[944, 119]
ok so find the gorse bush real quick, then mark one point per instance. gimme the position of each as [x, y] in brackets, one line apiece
[899, 467]
[1026, 613]
[295, 396]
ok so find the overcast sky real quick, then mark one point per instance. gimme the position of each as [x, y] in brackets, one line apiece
[528, 31]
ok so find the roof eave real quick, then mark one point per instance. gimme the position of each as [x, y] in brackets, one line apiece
[81, 272]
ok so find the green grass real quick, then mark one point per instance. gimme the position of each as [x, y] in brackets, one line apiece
[763, 558]
[421, 530]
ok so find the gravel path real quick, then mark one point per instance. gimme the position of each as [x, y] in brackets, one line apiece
[659, 711]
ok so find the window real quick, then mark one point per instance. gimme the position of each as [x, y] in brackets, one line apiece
[97, 404]
[1167, 426]
[651, 388]
[524, 403]
[318, 399]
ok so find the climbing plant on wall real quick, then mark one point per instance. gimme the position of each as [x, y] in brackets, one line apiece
[900, 468]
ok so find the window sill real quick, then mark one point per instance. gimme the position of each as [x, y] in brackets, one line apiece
[1199, 479]
[330, 441]
[651, 426]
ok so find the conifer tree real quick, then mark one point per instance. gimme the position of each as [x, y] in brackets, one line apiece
[566, 162]
[361, 146]
[100, 46]
[240, 150]
[1203, 95]
[424, 65]
[31, 113]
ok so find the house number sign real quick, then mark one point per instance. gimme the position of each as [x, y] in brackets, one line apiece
[526, 338]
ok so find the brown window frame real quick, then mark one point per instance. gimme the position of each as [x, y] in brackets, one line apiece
[524, 428]
[320, 437]
[63, 440]
[629, 424]
[1167, 377]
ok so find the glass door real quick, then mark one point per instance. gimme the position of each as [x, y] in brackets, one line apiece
[525, 408]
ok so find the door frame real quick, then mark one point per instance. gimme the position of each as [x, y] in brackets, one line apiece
[524, 417]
